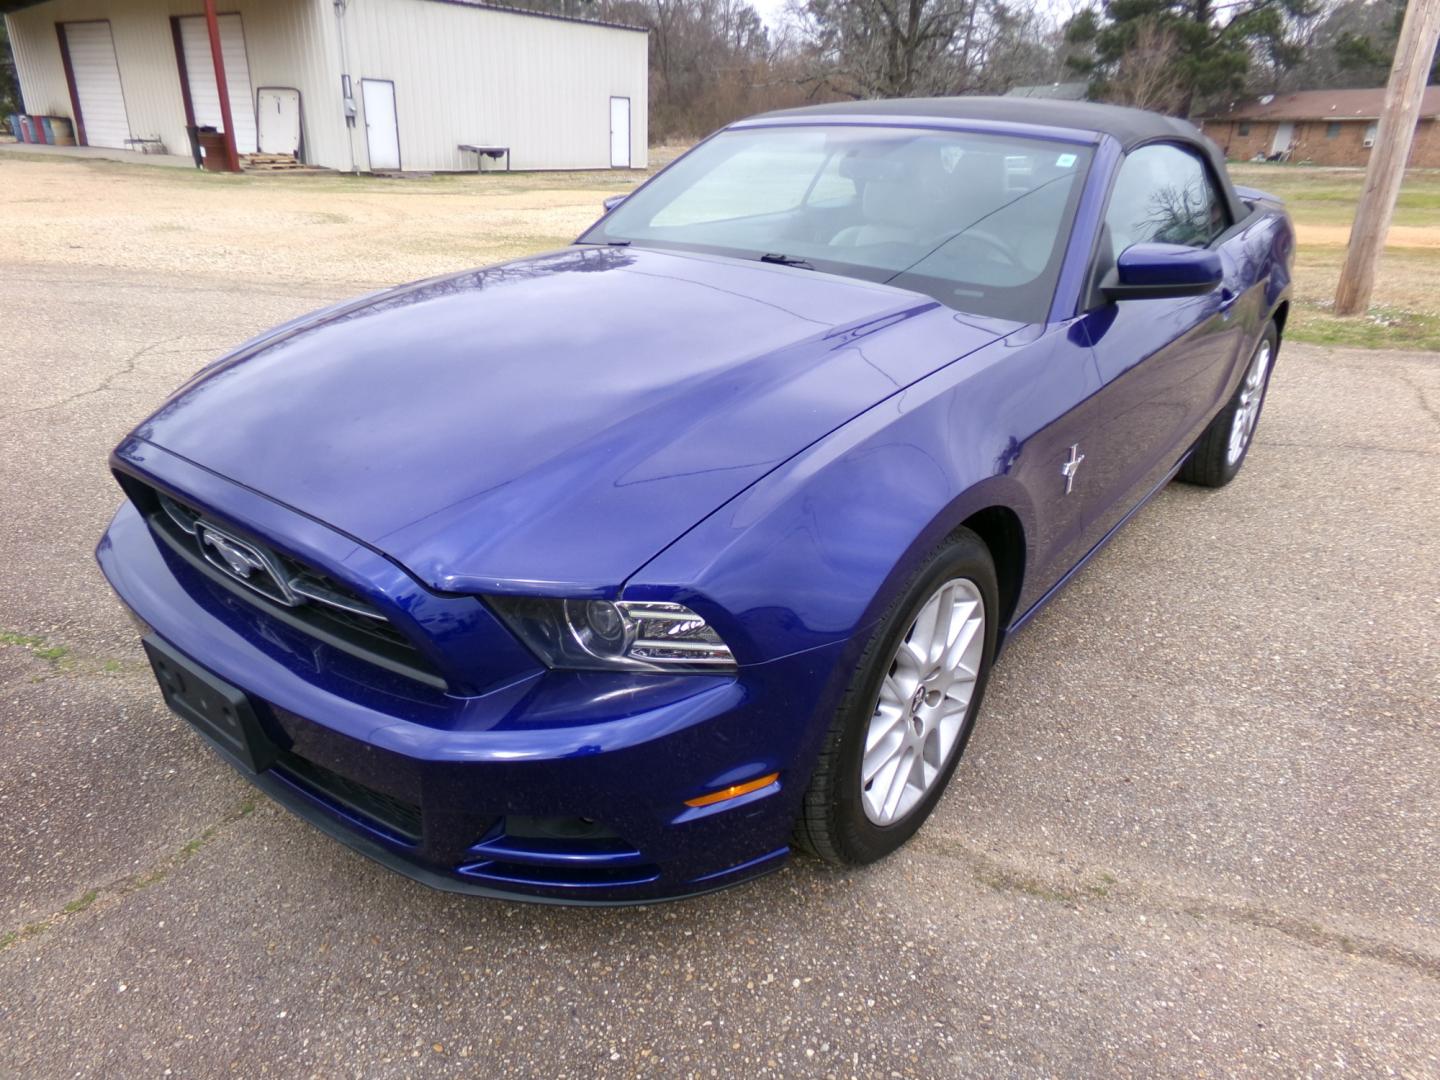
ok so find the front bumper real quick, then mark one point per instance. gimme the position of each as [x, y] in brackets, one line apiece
[449, 789]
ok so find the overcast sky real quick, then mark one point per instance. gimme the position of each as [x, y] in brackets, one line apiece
[770, 10]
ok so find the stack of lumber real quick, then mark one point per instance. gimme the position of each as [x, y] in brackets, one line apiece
[276, 163]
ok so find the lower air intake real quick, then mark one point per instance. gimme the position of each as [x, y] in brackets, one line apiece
[565, 853]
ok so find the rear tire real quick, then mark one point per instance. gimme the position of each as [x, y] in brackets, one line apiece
[907, 714]
[1222, 449]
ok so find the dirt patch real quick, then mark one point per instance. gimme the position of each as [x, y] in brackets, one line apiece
[1400, 236]
[352, 231]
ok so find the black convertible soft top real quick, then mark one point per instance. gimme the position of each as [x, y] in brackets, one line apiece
[1129, 127]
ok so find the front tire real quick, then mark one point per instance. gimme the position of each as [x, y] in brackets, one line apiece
[903, 724]
[1221, 451]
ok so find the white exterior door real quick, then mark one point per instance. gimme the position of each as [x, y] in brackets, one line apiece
[619, 132]
[382, 130]
[278, 120]
[200, 77]
[1284, 137]
[97, 83]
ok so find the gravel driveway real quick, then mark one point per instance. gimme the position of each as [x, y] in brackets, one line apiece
[1195, 833]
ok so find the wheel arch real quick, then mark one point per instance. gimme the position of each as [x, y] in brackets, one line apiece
[1003, 533]
[1280, 316]
[997, 510]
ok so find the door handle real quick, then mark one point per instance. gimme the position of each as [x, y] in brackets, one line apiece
[1228, 297]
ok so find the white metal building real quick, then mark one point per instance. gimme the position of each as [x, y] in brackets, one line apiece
[346, 84]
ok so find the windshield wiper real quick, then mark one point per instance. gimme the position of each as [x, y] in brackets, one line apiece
[786, 260]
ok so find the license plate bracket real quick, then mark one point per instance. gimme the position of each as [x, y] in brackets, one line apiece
[223, 713]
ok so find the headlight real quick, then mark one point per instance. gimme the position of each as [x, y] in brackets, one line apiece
[630, 635]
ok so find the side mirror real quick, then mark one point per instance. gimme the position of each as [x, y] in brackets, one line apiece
[1162, 271]
[612, 202]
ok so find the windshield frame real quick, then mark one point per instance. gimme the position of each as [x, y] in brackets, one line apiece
[1058, 272]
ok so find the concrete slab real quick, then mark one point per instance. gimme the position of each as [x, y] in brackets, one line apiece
[96, 153]
[1194, 834]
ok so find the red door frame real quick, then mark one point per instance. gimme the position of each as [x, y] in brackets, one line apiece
[212, 24]
[232, 158]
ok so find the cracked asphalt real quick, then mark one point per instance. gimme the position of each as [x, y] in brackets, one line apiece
[1195, 833]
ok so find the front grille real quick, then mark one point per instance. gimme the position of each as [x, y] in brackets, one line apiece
[283, 587]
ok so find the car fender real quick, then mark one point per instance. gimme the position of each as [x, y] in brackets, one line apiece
[800, 560]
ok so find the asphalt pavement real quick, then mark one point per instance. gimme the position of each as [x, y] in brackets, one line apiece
[1195, 833]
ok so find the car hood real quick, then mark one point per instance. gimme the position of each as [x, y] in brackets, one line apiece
[550, 424]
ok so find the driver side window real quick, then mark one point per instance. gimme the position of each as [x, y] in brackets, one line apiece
[1163, 194]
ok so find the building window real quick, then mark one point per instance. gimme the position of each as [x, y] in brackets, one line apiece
[1332, 129]
[1371, 131]
[1244, 127]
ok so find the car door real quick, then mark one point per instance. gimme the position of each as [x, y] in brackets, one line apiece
[1164, 364]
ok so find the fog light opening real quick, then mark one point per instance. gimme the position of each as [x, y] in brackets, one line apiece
[734, 791]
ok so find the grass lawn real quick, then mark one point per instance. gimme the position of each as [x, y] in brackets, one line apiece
[1405, 311]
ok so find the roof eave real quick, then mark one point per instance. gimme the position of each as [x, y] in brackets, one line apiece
[1298, 117]
[10, 6]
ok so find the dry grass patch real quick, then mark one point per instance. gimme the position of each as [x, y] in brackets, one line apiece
[335, 230]
[1405, 311]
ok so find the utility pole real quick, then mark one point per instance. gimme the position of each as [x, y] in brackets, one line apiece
[1414, 53]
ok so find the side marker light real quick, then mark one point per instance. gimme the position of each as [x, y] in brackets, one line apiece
[734, 791]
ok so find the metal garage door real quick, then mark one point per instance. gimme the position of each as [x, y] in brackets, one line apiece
[200, 76]
[97, 83]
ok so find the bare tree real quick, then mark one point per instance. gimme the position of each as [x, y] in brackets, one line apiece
[1348, 43]
[1145, 75]
[912, 48]
[712, 61]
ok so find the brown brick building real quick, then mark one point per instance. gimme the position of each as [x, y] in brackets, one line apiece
[1320, 127]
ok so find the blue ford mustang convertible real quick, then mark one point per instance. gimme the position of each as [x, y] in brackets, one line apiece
[615, 573]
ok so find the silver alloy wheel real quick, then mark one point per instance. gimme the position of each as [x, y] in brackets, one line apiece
[1247, 410]
[920, 711]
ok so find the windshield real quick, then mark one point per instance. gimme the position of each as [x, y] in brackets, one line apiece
[979, 222]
